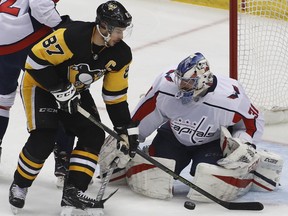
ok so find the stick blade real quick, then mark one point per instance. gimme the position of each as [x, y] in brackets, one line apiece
[254, 206]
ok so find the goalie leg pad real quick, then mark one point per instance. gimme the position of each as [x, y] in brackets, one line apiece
[108, 153]
[222, 183]
[146, 179]
[268, 171]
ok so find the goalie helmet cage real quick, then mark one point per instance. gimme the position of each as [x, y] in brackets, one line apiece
[259, 54]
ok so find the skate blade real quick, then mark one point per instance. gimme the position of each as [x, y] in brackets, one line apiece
[15, 210]
[72, 211]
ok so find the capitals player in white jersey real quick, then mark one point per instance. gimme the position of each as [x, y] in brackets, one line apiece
[22, 24]
[192, 104]
[204, 118]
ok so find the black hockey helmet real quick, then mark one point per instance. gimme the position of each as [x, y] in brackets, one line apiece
[113, 14]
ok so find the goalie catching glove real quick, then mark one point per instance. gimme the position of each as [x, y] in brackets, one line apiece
[67, 98]
[124, 150]
[236, 153]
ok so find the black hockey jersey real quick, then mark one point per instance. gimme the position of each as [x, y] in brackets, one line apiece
[68, 54]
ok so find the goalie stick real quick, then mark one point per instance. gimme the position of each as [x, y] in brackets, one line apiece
[256, 206]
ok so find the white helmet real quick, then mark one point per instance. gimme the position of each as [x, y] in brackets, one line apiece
[193, 77]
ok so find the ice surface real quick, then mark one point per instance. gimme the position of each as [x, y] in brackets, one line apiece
[164, 33]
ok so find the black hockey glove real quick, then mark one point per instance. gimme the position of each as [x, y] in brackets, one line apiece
[67, 98]
[130, 135]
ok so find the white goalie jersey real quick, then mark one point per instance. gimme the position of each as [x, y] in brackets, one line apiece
[21, 23]
[198, 122]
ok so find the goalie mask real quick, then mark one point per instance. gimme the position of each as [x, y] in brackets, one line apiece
[193, 77]
[113, 16]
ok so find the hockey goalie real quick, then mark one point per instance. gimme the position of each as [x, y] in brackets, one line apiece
[201, 119]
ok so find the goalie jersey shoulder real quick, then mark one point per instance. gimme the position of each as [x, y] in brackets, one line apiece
[164, 84]
[229, 94]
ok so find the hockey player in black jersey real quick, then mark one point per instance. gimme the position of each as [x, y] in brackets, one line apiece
[59, 72]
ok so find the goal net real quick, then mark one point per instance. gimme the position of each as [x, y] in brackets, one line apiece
[259, 54]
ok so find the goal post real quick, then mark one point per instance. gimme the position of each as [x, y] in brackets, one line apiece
[259, 54]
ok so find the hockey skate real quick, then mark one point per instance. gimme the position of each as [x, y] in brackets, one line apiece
[77, 203]
[17, 197]
[61, 179]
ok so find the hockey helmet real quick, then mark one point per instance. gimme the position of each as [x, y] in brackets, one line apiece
[193, 75]
[113, 14]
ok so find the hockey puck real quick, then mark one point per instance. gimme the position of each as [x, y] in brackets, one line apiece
[189, 205]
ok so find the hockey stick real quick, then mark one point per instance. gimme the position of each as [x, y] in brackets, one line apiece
[113, 164]
[257, 206]
[105, 181]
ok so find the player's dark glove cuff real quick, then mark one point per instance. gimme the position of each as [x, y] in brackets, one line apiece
[132, 132]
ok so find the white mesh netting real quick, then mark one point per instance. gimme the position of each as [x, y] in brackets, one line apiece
[263, 55]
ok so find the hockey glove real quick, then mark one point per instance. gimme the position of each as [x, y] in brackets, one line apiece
[130, 136]
[67, 98]
[243, 155]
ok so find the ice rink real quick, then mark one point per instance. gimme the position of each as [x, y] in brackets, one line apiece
[164, 33]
